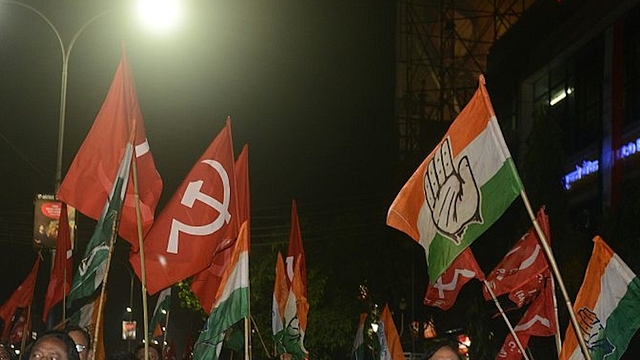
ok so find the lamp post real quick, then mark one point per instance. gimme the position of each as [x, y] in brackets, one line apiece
[65, 52]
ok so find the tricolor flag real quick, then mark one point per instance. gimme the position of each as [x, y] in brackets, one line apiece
[60, 280]
[21, 298]
[232, 301]
[460, 189]
[280, 294]
[607, 307]
[524, 262]
[291, 339]
[357, 351]
[87, 318]
[93, 266]
[390, 347]
[444, 292]
[91, 176]
[160, 313]
[200, 218]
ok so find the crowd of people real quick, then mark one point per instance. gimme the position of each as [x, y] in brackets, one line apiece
[74, 343]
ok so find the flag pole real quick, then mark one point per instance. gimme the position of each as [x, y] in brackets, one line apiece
[143, 271]
[264, 346]
[506, 320]
[555, 310]
[556, 273]
[166, 330]
[112, 240]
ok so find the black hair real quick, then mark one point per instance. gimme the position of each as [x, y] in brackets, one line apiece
[84, 331]
[151, 346]
[437, 344]
[69, 344]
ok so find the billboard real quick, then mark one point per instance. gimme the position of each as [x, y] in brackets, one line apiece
[45, 221]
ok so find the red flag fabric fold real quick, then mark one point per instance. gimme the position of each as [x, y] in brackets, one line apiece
[295, 251]
[526, 260]
[444, 292]
[60, 280]
[93, 171]
[21, 298]
[199, 220]
[206, 283]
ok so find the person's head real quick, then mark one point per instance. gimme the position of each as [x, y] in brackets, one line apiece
[155, 352]
[444, 350]
[82, 339]
[5, 352]
[54, 345]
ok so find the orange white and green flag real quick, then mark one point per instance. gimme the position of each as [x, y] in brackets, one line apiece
[390, 346]
[607, 307]
[460, 189]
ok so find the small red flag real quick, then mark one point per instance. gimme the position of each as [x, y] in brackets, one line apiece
[444, 292]
[526, 260]
[295, 252]
[205, 284]
[60, 280]
[538, 320]
[93, 171]
[21, 298]
[200, 218]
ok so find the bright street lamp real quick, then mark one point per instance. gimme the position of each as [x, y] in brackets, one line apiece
[156, 12]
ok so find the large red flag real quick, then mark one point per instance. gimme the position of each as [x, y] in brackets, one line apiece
[538, 320]
[205, 284]
[526, 260]
[444, 292]
[21, 298]
[93, 171]
[200, 218]
[60, 280]
[295, 252]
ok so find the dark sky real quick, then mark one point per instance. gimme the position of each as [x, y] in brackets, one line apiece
[309, 85]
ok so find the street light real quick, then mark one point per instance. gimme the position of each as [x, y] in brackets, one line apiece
[157, 12]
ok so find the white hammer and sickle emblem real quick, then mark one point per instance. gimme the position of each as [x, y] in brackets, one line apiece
[189, 198]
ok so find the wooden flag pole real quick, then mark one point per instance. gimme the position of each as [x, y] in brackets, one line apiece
[112, 241]
[555, 312]
[264, 346]
[506, 320]
[143, 271]
[556, 273]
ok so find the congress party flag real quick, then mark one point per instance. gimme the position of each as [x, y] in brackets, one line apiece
[607, 307]
[463, 186]
[390, 347]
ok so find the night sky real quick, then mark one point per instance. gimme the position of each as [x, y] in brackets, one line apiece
[308, 85]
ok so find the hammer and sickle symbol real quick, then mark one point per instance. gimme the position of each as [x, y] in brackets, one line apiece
[189, 198]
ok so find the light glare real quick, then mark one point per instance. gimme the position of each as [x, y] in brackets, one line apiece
[160, 15]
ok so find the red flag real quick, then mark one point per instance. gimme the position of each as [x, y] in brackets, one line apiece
[21, 298]
[444, 292]
[93, 171]
[200, 219]
[538, 320]
[19, 327]
[60, 280]
[205, 284]
[523, 262]
[295, 252]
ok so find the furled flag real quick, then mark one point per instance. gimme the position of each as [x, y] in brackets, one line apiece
[205, 284]
[93, 266]
[87, 318]
[198, 219]
[295, 251]
[390, 347]
[538, 320]
[91, 176]
[460, 189]
[525, 261]
[21, 298]
[291, 339]
[607, 307]
[60, 280]
[444, 292]
[19, 326]
[232, 301]
[357, 351]
[159, 318]
[280, 294]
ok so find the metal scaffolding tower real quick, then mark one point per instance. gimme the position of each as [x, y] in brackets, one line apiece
[442, 48]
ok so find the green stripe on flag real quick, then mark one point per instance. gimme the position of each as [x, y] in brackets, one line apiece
[623, 322]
